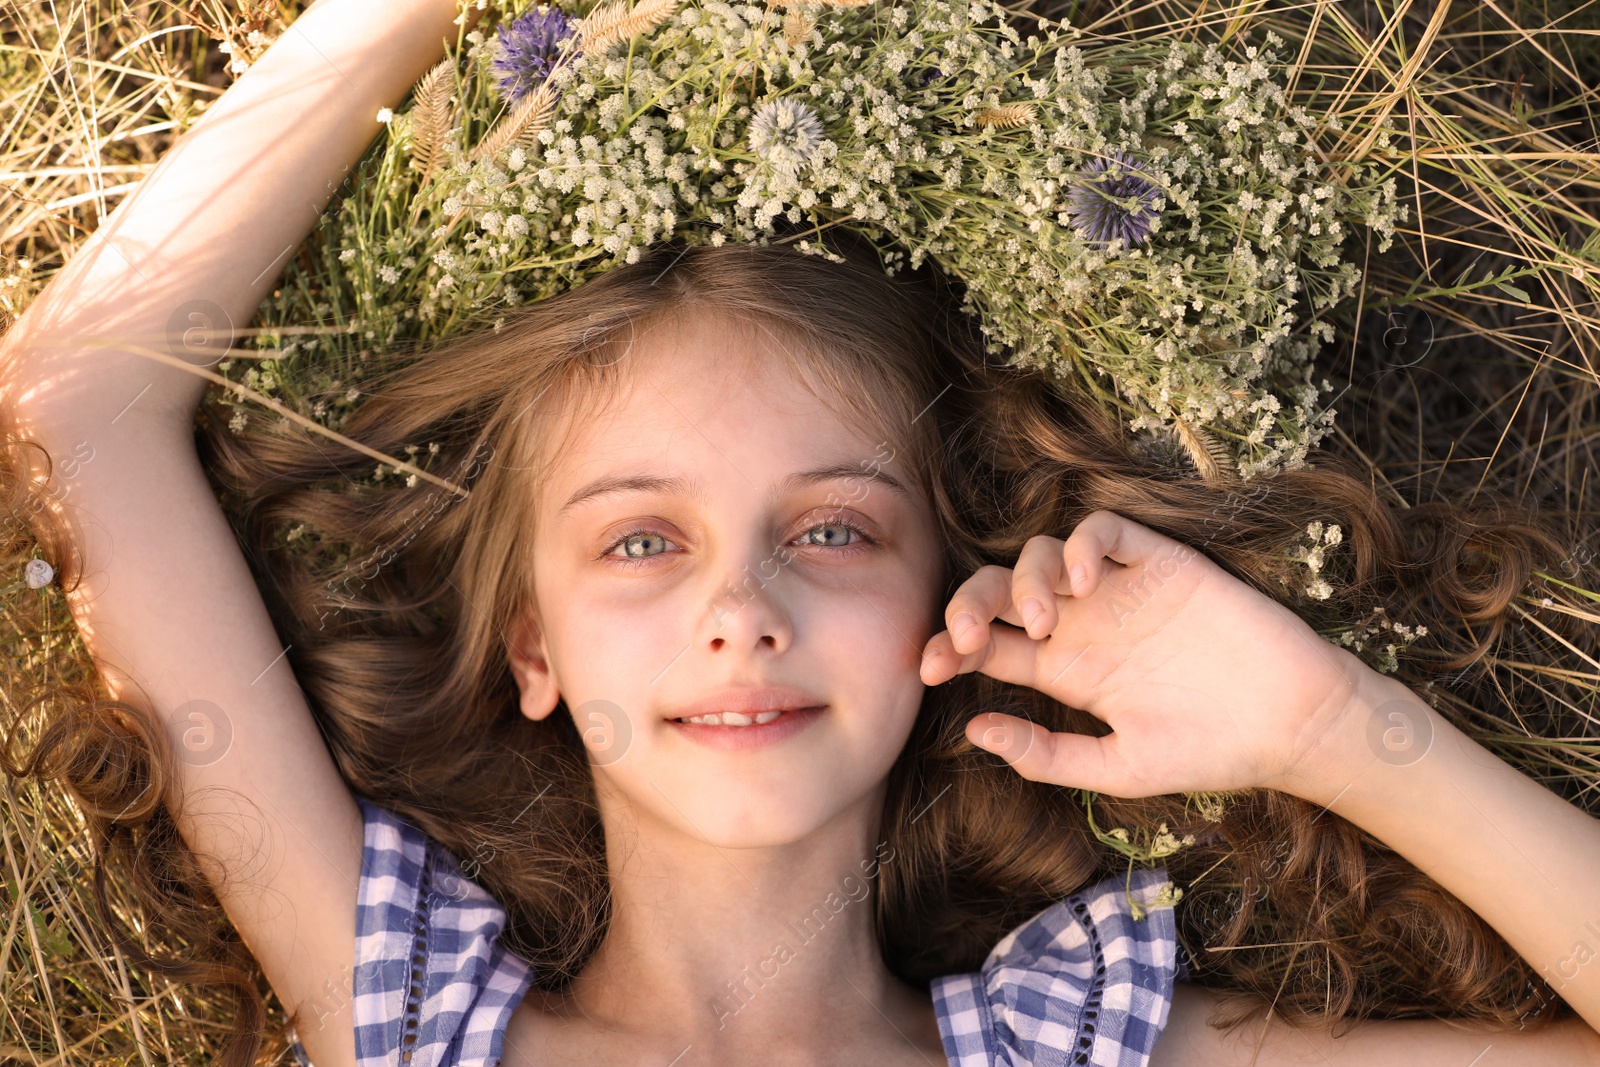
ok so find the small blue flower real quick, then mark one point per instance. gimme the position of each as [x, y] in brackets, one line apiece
[1113, 201]
[526, 49]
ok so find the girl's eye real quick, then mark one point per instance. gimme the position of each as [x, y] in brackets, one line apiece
[638, 544]
[642, 544]
[836, 537]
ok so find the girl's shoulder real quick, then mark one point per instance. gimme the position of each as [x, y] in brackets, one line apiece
[431, 983]
[1083, 977]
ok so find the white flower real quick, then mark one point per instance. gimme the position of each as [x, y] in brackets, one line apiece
[388, 274]
[1167, 896]
[384, 114]
[786, 134]
[239, 66]
[347, 255]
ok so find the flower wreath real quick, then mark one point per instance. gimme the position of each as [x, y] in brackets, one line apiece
[1156, 224]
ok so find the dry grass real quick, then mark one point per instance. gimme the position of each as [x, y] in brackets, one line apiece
[1468, 366]
[91, 95]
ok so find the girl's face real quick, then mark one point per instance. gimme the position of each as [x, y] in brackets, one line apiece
[718, 533]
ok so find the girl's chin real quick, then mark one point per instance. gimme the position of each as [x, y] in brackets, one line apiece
[754, 829]
[735, 810]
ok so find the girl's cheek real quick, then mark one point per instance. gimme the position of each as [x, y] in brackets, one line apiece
[877, 635]
[906, 598]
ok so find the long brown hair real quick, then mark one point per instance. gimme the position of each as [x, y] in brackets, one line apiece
[394, 594]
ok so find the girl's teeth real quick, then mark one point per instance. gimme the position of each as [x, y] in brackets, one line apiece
[733, 718]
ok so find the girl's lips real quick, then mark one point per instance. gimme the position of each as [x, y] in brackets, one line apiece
[756, 735]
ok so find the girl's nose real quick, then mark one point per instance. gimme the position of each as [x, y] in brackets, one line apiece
[750, 607]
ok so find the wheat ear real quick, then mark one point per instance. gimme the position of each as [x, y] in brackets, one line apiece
[1006, 116]
[1206, 452]
[606, 26]
[526, 119]
[796, 27]
[430, 114]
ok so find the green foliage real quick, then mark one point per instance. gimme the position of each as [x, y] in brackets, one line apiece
[1210, 320]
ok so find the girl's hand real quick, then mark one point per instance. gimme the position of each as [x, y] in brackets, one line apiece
[1207, 684]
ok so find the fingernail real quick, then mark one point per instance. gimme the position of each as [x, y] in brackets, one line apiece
[1077, 573]
[1031, 608]
[961, 624]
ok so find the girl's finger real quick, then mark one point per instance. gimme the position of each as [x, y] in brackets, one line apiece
[1039, 577]
[981, 598]
[1008, 654]
[1104, 534]
[1067, 759]
[940, 661]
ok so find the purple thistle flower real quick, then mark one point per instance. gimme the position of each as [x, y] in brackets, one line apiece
[526, 49]
[1112, 201]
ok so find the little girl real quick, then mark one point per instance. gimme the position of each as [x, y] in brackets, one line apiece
[731, 717]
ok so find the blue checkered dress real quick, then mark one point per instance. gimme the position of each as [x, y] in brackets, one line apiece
[1082, 983]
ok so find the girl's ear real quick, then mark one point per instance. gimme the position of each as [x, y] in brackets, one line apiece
[526, 653]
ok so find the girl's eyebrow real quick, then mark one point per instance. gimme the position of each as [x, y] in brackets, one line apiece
[695, 489]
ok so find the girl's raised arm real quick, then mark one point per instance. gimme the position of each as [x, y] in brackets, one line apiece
[207, 234]
[166, 603]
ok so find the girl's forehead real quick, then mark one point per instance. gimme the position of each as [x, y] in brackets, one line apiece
[709, 363]
[709, 431]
